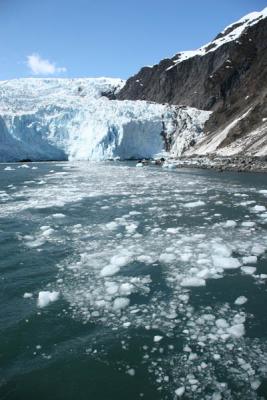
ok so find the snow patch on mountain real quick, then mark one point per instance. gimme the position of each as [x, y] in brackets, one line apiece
[229, 34]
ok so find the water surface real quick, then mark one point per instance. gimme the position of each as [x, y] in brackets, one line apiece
[147, 265]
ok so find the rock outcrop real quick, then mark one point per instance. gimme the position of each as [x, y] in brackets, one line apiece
[228, 76]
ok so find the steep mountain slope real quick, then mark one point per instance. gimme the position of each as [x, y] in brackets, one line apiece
[60, 119]
[227, 76]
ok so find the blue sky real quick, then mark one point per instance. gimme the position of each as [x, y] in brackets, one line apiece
[79, 38]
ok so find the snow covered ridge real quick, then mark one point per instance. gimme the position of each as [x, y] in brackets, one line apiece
[229, 34]
[60, 119]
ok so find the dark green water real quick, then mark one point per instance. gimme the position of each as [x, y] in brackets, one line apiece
[145, 266]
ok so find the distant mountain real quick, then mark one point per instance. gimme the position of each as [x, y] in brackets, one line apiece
[227, 76]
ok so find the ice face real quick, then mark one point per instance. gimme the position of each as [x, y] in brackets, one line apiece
[59, 119]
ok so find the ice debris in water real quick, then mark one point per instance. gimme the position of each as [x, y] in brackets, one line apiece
[45, 297]
[145, 277]
[241, 300]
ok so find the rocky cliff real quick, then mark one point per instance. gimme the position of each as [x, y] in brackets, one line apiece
[227, 76]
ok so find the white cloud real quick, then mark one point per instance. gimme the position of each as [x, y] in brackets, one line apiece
[40, 66]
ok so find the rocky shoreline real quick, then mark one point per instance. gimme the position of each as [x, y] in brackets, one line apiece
[221, 164]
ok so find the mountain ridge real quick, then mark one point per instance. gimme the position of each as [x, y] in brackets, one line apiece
[227, 76]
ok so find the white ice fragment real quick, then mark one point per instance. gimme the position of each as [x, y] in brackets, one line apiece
[120, 303]
[194, 204]
[248, 224]
[157, 338]
[109, 270]
[221, 323]
[46, 297]
[230, 223]
[131, 372]
[193, 282]
[180, 391]
[249, 260]
[27, 295]
[258, 208]
[225, 262]
[248, 270]
[241, 300]
[167, 258]
[139, 165]
[237, 331]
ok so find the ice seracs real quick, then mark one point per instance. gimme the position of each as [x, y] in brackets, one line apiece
[60, 119]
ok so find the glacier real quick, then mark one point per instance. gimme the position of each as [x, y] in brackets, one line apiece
[77, 119]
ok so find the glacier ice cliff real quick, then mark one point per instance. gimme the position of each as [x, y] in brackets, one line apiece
[61, 119]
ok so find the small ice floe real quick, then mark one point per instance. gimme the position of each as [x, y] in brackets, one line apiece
[258, 208]
[230, 224]
[139, 164]
[225, 262]
[157, 338]
[193, 282]
[130, 372]
[180, 391]
[263, 191]
[169, 165]
[241, 300]
[58, 215]
[249, 260]
[248, 224]
[9, 169]
[248, 270]
[120, 303]
[173, 231]
[46, 297]
[236, 331]
[193, 204]
[24, 166]
[27, 295]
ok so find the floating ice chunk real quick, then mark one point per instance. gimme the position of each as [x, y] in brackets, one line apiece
[9, 169]
[131, 228]
[248, 270]
[221, 323]
[112, 288]
[139, 165]
[45, 297]
[263, 191]
[258, 208]
[27, 295]
[120, 303]
[126, 289]
[180, 391]
[221, 249]
[112, 225]
[193, 282]
[230, 223]
[258, 249]
[173, 231]
[256, 383]
[145, 259]
[58, 215]
[157, 338]
[225, 262]
[120, 260]
[110, 270]
[248, 224]
[237, 331]
[194, 204]
[241, 300]
[249, 260]
[167, 258]
[131, 372]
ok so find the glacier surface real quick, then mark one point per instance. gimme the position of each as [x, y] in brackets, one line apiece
[74, 119]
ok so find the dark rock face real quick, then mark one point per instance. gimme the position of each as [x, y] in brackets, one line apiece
[229, 81]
